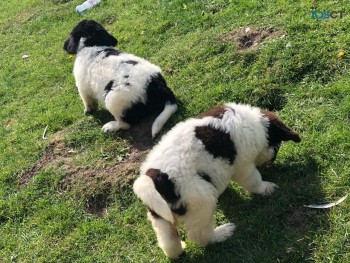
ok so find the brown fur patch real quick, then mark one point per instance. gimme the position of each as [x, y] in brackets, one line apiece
[278, 131]
[166, 188]
[216, 112]
[164, 185]
[216, 142]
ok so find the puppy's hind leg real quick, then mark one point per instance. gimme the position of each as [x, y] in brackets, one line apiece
[168, 238]
[90, 104]
[115, 104]
[199, 225]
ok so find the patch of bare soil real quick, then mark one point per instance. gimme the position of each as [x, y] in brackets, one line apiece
[250, 38]
[56, 153]
[298, 218]
[140, 135]
[94, 183]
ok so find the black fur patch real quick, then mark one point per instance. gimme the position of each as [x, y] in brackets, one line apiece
[111, 52]
[205, 177]
[158, 94]
[93, 33]
[130, 62]
[216, 142]
[181, 210]
[108, 87]
[99, 52]
[154, 214]
[164, 185]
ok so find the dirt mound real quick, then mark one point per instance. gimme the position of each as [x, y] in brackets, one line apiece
[55, 153]
[93, 183]
[250, 38]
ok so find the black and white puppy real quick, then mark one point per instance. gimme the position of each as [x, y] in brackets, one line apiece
[129, 87]
[194, 162]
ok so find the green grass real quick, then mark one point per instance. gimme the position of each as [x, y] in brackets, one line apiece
[306, 83]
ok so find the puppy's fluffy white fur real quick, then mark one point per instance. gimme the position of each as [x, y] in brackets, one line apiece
[116, 80]
[184, 162]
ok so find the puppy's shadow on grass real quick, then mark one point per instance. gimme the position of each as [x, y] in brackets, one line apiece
[271, 229]
[139, 135]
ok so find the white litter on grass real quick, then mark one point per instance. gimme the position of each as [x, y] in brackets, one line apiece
[289, 45]
[45, 132]
[25, 56]
[329, 205]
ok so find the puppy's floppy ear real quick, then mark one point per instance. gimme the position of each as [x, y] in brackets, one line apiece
[71, 45]
[277, 130]
[100, 38]
[96, 35]
[88, 33]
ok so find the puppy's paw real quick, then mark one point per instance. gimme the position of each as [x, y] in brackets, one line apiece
[223, 232]
[114, 126]
[110, 126]
[267, 188]
[174, 250]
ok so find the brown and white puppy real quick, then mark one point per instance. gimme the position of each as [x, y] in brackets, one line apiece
[129, 87]
[194, 162]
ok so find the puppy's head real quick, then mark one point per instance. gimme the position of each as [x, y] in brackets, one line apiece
[88, 33]
[277, 132]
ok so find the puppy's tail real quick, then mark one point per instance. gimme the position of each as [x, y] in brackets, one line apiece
[144, 189]
[162, 118]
